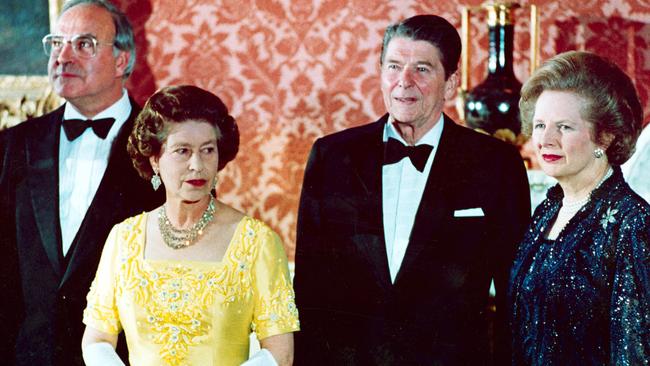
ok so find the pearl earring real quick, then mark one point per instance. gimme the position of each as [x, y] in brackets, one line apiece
[599, 153]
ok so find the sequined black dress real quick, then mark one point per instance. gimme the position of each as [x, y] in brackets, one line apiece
[584, 298]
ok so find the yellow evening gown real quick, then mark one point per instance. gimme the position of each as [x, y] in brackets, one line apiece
[192, 312]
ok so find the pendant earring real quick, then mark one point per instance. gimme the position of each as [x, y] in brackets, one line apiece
[599, 153]
[214, 182]
[155, 181]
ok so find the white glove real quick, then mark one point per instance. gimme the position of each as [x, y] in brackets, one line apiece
[101, 354]
[262, 358]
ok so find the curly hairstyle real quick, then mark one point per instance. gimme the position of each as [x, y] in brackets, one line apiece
[612, 103]
[179, 104]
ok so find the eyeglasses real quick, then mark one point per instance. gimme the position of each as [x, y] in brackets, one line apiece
[83, 45]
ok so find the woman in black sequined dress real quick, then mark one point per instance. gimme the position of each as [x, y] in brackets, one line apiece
[580, 285]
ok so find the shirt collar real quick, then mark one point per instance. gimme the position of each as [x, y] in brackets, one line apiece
[432, 137]
[119, 110]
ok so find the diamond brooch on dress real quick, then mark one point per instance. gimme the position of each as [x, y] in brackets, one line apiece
[608, 217]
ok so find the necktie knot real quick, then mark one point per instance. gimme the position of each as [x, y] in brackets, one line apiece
[73, 128]
[395, 151]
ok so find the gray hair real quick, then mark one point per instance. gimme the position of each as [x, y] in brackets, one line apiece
[124, 40]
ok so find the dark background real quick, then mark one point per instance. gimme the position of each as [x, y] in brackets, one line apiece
[23, 23]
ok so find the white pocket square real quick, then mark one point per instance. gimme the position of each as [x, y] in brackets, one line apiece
[469, 212]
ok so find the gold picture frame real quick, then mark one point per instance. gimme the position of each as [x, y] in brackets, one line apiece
[22, 96]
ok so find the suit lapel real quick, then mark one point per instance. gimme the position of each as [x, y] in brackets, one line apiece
[43, 156]
[106, 203]
[433, 205]
[367, 157]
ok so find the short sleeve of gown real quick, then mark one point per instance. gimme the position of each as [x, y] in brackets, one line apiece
[101, 310]
[275, 309]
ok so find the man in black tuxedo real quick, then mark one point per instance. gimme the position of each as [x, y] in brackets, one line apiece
[64, 186]
[404, 222]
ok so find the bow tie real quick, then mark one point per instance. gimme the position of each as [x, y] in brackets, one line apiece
[75, 127]
[396, 151]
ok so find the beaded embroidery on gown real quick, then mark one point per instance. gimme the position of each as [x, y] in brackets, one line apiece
[584, 298]
[192, 312]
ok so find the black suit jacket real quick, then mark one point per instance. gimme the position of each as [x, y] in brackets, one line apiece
[435, 312]
[44, 293]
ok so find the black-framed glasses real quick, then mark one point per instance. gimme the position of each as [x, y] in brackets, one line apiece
[83, 45]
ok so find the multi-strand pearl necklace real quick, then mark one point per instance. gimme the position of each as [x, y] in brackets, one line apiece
[569, 209]
[574, 206]
[182, 238]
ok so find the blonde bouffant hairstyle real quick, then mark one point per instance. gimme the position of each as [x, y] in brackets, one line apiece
[612, 103]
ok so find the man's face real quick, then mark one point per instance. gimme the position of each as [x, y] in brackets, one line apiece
[90, 84]
[413, 82]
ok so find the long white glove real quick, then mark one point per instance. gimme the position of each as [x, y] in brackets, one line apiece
[262, 358]
[101, 354]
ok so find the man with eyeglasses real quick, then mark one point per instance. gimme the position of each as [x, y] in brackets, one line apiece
[65, 180]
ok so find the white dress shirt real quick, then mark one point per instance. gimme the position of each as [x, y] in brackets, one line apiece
[402, 188]
[82, 163]
[637, 170]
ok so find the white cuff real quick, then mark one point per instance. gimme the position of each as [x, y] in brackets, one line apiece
[262, 358]
[101, 354]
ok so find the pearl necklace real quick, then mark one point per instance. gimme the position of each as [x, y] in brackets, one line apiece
[183, 238]
[575, 205]
[569, 209]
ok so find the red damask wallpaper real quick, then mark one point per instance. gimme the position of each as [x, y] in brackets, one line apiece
[294, 70]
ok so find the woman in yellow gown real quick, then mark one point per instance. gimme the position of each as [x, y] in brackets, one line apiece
[188, 281]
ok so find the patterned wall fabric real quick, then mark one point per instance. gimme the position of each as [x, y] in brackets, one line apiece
[293, 70]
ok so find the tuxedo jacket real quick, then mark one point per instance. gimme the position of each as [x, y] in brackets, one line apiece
[44, 292]
[435, 311]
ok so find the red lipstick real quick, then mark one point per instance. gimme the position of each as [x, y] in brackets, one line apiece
[551, 157]
[196, 182]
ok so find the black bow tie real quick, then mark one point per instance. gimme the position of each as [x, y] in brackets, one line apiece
[75, 127]
[396, 151]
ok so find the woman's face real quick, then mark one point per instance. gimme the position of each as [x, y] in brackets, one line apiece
[561, 138]
[188, 161]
